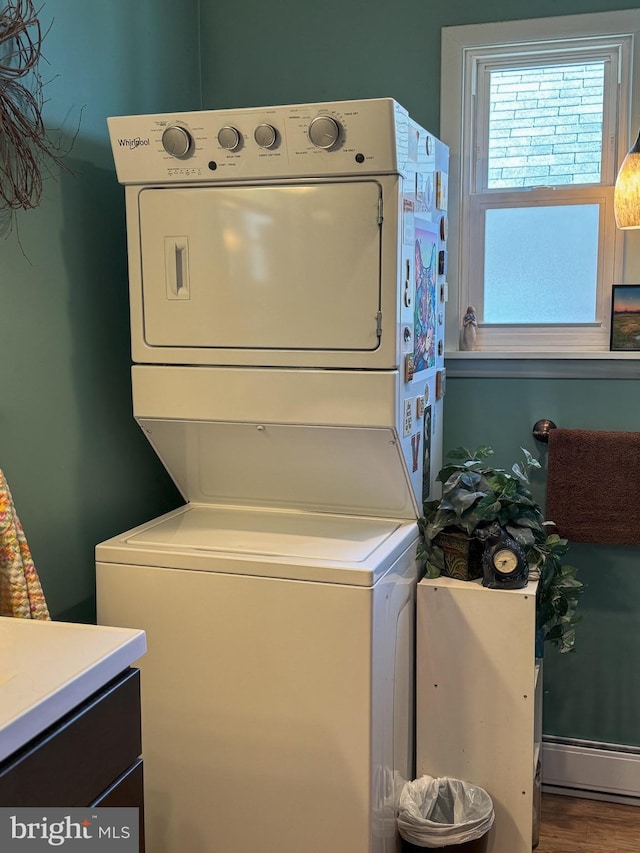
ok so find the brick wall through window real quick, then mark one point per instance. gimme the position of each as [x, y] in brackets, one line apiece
[545, 125]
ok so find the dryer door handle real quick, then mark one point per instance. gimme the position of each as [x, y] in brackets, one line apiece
[176, 255]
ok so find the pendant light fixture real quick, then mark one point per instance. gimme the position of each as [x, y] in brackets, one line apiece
[626, 195]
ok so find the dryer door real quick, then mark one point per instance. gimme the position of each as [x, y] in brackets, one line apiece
[273, 267]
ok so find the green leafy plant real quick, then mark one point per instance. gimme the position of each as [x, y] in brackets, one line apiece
[476, 494]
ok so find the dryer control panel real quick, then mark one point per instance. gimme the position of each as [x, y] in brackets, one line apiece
[336, 138]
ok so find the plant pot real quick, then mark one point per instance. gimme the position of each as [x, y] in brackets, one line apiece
[462, 554]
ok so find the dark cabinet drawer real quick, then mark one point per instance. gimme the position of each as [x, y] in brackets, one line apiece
[127, 791]
[81, 756]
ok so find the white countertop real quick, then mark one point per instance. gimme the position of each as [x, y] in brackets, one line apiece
[47, 668]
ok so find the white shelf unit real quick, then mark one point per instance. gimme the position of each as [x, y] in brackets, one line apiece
[479, 697]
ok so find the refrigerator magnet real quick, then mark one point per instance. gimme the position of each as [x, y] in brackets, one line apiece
[442, 185]
[415, 451]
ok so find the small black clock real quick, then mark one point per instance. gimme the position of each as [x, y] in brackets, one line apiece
[504, 564]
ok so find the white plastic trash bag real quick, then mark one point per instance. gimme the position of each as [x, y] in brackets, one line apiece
[442, 812]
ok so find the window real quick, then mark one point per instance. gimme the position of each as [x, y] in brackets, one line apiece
[536, 115]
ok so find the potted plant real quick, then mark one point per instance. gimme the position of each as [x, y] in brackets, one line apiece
[475, 495]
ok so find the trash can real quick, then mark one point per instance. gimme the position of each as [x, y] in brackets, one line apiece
[444, 814]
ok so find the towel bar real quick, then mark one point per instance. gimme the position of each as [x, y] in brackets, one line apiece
[541, 430]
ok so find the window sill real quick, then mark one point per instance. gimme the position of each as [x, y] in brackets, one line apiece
[546, 365]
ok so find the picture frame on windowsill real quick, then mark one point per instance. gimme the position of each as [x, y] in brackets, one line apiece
[625, 318]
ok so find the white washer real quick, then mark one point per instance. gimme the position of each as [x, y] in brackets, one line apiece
[277, 688]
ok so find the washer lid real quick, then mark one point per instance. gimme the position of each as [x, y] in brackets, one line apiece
[267, 543]
[270, 533]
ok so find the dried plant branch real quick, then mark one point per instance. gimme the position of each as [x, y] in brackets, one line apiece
[24, 146]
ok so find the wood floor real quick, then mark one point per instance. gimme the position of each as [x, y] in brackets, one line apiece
[587, 826]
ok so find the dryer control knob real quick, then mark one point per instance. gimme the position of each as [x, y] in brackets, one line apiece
[177, 141]
[229, 138]
[324, 132]
[265, 135]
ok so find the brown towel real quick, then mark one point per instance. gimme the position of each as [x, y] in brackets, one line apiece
[592, 485]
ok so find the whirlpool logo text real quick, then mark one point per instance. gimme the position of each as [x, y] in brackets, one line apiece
[134, 142]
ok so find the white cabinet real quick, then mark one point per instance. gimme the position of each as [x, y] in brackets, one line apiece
[479, 697]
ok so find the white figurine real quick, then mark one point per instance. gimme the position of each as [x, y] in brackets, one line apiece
[469, 329]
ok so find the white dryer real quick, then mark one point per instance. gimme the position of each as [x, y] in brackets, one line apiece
[287, 273]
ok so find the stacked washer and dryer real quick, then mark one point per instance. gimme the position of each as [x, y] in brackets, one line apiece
[287, 278]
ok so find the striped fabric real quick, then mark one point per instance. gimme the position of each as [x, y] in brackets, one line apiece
[20, 591]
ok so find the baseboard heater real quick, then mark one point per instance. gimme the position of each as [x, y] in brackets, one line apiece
[591, 769]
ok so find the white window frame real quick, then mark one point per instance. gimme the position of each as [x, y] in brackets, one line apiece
[463, 49]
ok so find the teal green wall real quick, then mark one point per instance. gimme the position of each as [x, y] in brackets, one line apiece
[255, 53]
[78, 467]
